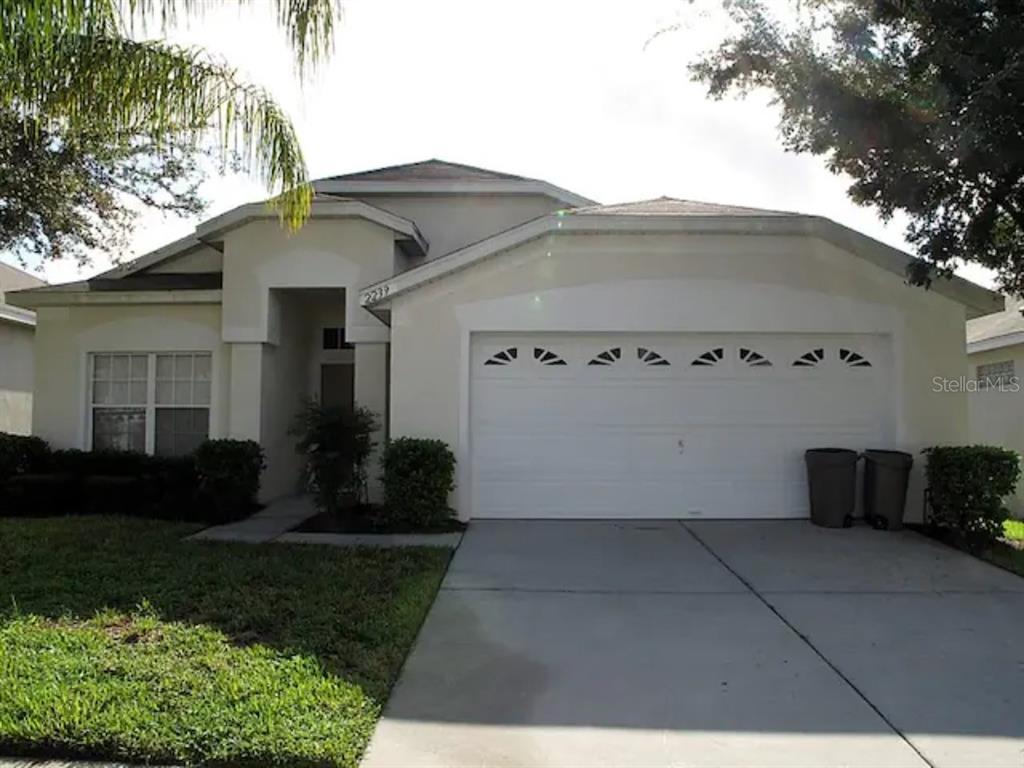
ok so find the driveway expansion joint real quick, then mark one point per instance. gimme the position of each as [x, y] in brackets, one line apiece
[806, 640]
[889, 592]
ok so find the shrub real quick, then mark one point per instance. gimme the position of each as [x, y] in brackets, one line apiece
[336, 443]
[106, 462]
[228, 476]
[163, 487]
[218, 483]
[20, 454]
[967, 486]
[172, 489]
[42, 495]
[116, 495]
[418, 477]
[74, 482]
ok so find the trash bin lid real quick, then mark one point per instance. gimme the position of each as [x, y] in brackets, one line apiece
[830, 456]
[894, 459]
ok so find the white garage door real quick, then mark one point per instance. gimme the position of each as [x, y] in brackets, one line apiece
[665, 425]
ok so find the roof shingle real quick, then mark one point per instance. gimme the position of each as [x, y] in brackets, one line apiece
[1005, 323]
[153, 281]
[671, 206]
[428, 170]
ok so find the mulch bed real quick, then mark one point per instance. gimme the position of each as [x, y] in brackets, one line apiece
[367, 518]
[1005, 554]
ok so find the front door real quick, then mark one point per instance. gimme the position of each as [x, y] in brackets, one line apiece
[337, 385]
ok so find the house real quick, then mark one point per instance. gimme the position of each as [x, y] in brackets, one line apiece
[662, 358]
[995, 353]
[17, 330]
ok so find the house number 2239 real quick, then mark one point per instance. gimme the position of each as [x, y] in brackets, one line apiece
[376, 294]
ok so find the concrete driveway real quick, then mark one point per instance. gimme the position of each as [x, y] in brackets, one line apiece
[710, 644]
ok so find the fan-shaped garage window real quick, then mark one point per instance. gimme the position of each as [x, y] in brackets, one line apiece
[809, 359]
[504, 357]
[650, 357]
[711, 357]
[546, 357]
[754, 359]
[608, 357]
[853, 359]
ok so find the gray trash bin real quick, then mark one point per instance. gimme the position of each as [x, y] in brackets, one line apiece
[885, 487]
[832, 481]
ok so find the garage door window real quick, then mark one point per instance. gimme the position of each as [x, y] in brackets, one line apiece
[547, 357]
[504, 357]
[711, 357]
[853, 359]
[608, 357]
[809, 359]
[752, 358]
[650, 357]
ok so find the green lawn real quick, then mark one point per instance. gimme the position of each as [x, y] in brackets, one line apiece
[118, 640]
[1000, 553]
[1005, 555]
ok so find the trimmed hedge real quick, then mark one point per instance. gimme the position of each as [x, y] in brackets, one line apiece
[967, 486]
[217, 484]
[228, 477]
[20, 454]
[419, 475]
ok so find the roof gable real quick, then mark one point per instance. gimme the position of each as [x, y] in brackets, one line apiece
[428, 170]
[629, 218]
[14, 279]
[441, 177]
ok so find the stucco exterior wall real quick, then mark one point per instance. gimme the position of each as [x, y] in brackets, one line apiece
[707, 283]
[66, 335]
[342, 253]
[997, 417]
[286, 381]
[200, 259]
[273, 328]
[16, 374]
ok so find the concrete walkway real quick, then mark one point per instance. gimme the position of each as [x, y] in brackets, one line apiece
[275, 519]
[709, 644]
[277, 522]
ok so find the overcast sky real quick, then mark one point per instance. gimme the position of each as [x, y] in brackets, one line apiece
[559, 90]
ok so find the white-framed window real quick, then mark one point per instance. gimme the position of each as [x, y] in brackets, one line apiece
[995, 374]
[153, 402]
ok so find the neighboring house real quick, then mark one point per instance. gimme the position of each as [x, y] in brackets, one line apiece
[17, 366]
[995, 352]
[663, 358]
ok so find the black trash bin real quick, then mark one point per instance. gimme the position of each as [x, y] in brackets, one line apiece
[832, 481]
[885, 487]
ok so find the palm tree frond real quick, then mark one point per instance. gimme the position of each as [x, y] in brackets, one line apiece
[164, 92]
[74, 62]
[308, 24]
